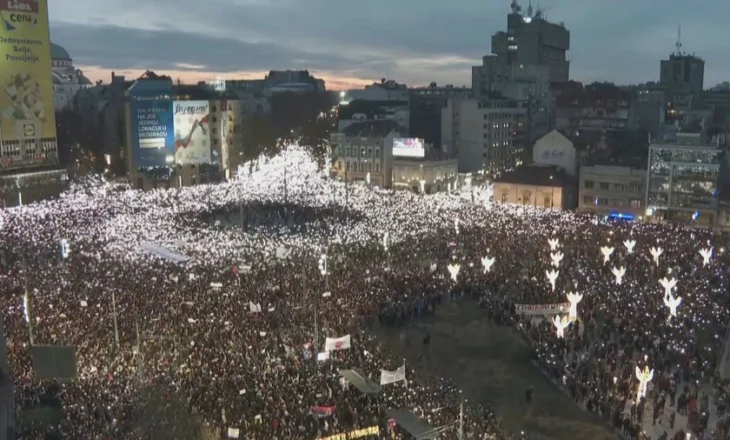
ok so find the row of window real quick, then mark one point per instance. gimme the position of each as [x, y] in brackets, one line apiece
[353, 151]
[605, 201]
[363, 167]
[547, 201]
[619, 187]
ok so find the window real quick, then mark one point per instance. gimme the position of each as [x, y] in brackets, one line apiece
[589, 184]
[588, 200]
[547, 202]
[619, 187]
[635, 203]
[634, 188]
[603, 185]
[601, 201]
[526, 196]
[505, 196]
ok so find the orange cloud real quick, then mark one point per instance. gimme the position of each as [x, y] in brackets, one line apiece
[332, 81]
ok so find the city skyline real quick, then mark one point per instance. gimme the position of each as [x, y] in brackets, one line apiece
[353, 44]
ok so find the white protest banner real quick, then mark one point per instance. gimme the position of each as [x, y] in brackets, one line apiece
[387, 377]
[542, 309]
[341, 343]
[234, 432]
[254, 308]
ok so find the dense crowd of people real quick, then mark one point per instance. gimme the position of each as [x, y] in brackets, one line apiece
[233, 337]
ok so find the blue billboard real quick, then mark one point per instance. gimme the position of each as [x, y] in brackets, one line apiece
[153, 135]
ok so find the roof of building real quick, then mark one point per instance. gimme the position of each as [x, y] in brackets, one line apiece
[379, 128]
[369, 108]
[537, 175]
[59, 53]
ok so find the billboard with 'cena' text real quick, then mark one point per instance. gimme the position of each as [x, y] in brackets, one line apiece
[26, 98]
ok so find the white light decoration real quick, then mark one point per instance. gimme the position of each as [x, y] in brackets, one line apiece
[619, 274]
[456, 225]
[629, 245]
[552, 275]
[323, 264]
[367, 178]
[561, 323]
[556, 258]
[668, 285]
[645, 376]
[706, 255]
[385, 242]
[553, 243]
[489, 196]
[422, 184]
[655, 253]
[454, 271]
[574, 299]
[606, 251]
[487, 262]
[672, 303]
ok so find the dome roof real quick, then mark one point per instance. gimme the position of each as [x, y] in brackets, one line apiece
[59, 53]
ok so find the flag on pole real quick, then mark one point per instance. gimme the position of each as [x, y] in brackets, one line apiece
[341, 343]
[388, 377]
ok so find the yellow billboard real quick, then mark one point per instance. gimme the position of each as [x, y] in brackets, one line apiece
[26, 88]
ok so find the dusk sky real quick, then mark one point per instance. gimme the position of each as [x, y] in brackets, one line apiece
[351, 43]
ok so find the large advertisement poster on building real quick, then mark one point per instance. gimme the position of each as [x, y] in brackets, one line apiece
[408, 147]
[192, 132]
[26, 98]
[153, 139]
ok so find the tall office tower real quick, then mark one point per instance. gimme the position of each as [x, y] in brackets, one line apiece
[532, 40]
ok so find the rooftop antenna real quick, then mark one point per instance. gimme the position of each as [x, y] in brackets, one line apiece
[529, 9]
[678, 46]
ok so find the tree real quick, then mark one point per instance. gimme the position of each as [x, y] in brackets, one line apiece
[160, 413]
[315, 139]
[259, 138]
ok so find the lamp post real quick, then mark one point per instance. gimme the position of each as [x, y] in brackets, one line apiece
[114, 316]
[325, 273]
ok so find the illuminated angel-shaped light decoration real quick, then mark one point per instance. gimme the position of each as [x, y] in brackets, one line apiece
[553, 243]
[606, 251]
[561, 323]
[668, 285]
[552, 275]
[556, 258]
[655, 253]
[574, 299]
[487, 262]
[672, 303]
[454, 270]
[645, 376]
[629, 245]
[706, 255]
[619, 274]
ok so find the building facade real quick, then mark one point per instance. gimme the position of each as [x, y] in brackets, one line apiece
[424, 176]
[527, 84]
[67, 80]
[537, 186]
[483, 135]
[364, 151]
[612, 190]
[602, 109]
[683, 177]
[554, 149]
